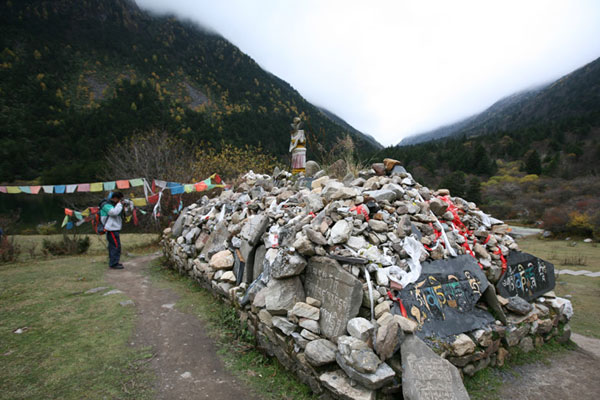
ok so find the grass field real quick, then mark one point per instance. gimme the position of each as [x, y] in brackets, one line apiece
[31, 245]
[74, 346]
[584, 291]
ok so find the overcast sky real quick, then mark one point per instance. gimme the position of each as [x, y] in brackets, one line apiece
[396, 68]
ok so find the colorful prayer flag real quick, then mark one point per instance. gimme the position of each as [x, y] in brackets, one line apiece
[35, 189]
[25, 189]
[60, 189]
[189, 188]
[69, 225]
[123, 184]
[13, 189]
[48, 189]
[83, 187]
[177, 189]
[109, 185]
[65, 221]
[78, 215]
[136, 182]
[140, 202]
[200, 186]
[96, 187]
[71, 188]
[69, 212]
[3, 189]
[153, 199]
[86, 212]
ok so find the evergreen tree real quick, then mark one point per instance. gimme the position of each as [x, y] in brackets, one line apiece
[533, 163]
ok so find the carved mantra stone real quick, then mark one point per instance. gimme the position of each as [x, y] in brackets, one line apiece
[339, 292]
[526, 276]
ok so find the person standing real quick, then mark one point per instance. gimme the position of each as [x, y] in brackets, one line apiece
[111, 217]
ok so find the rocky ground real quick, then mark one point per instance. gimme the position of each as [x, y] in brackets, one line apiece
[187, 365]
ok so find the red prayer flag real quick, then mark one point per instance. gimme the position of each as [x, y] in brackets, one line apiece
[68, 212]
[200, 186]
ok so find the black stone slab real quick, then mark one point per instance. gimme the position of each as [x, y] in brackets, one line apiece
[526, 276]
[443, 299]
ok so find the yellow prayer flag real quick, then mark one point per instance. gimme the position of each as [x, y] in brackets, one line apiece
[13, 189]
[97, 187]
[86, 212]
[140, 202]
[189, 188]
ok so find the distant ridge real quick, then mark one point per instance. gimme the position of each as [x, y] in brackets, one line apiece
[575, 96]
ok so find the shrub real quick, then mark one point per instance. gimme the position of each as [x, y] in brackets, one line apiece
[67, 246]
[556, 219]
[9, 250]
[47, 229]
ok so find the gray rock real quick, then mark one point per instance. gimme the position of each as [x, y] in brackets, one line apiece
[178, 225]
[339, 292]
[312, 167]
[191, 235]
[217, 241]
[96, 290]
[114, 291]
[282, 294]
[320, 352]
[462, 345]
[309, 335]
[340, 233]
[258, 263]
[283, 325]
[407, 325]
[314, 202]
[378, 226]
[342, 386]
[254, 228]
[126, 303]
[287, 265]
[303, 310]
[357, 242]
[222, 260]
[526, 344]
[357, 354]
[265, 317]
[382, 195]
[438, 206]
[304, 246]
[314, 236]
[388, 339]
[519, 305]
[360, 328]
[425, 375]
[310, 324]
[381, 377]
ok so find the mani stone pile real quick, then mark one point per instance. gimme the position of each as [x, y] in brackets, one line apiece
[374, 286]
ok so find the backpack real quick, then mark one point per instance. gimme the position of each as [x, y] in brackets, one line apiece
[97, 222]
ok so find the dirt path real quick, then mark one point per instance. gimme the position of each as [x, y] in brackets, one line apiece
[571, 375]
[186, 362]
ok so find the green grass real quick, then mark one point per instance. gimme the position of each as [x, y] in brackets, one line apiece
[263, 374]
[584, 291]
[76, 345]
[485, 384]
[31, 245]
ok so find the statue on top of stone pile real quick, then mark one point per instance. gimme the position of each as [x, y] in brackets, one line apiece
[298, 147]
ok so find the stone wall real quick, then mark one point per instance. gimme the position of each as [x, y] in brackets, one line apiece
[320, 270]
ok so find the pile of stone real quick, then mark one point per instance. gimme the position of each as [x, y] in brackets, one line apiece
[370, 284]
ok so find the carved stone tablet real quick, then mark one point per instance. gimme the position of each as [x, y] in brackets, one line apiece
[442, 301]
[526, 276]
[340, 294]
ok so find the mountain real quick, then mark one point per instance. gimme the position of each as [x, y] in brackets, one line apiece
[572, 100]
[338, 120]
[76, 77]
